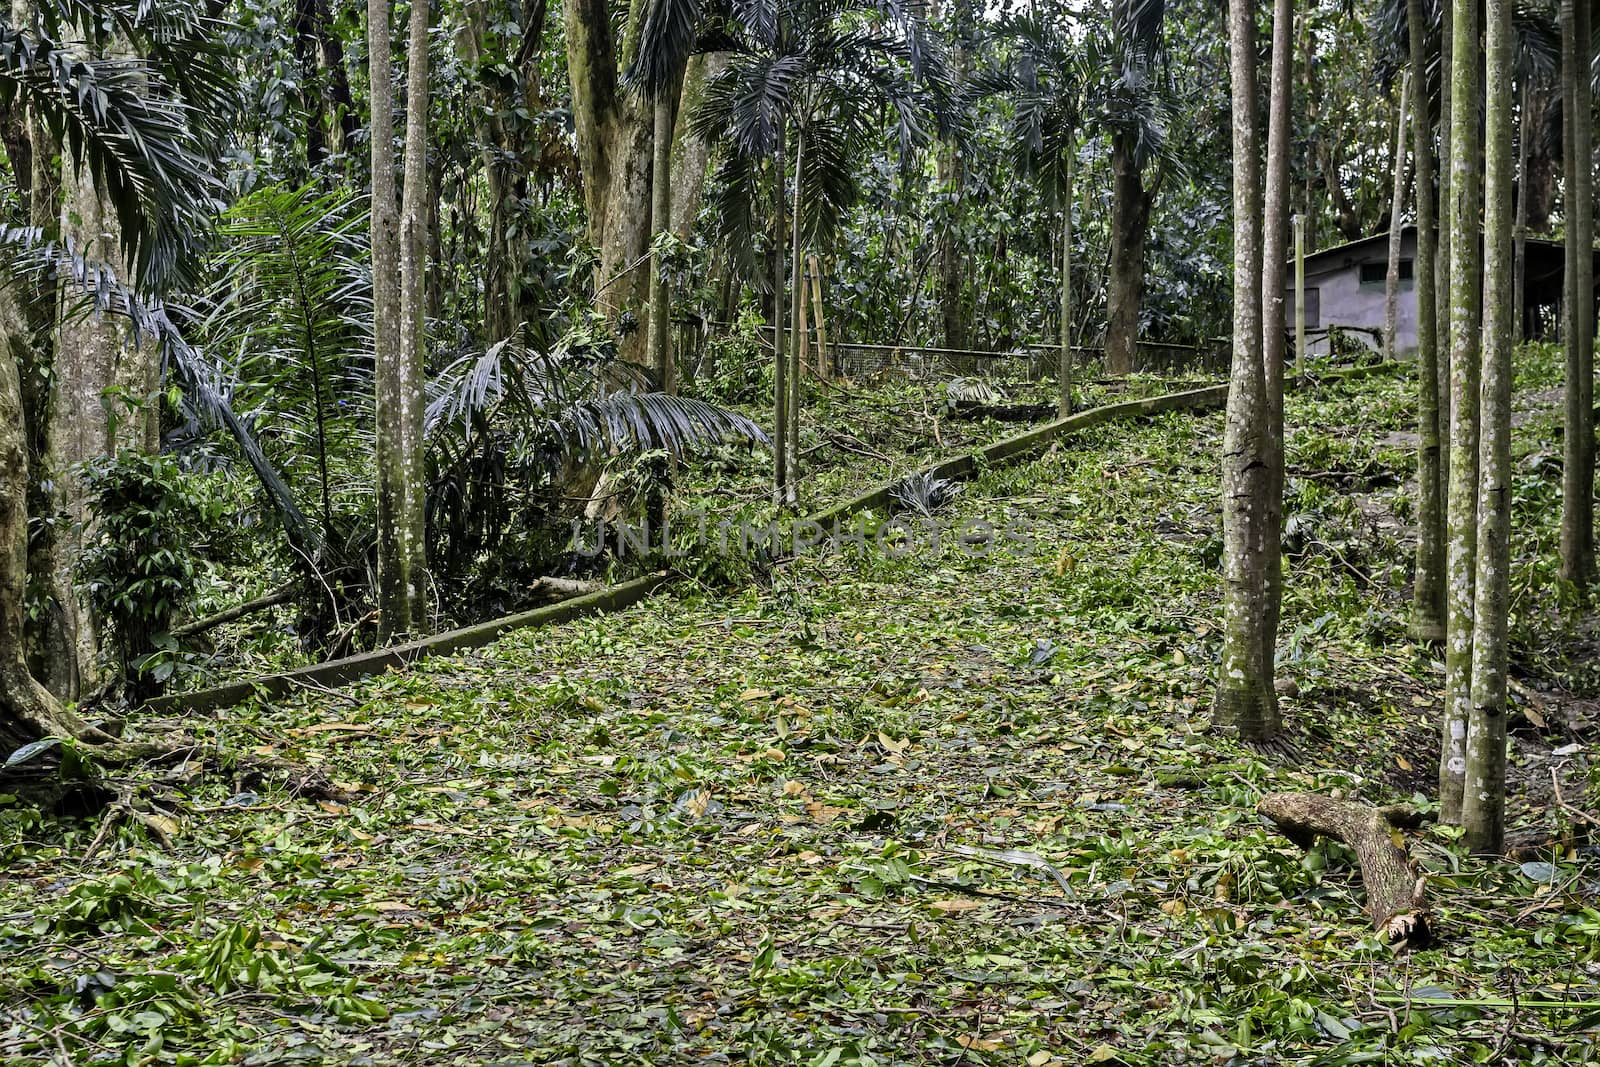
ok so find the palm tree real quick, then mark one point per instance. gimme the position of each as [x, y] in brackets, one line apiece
[1046, 80]
[132, 126]
[819, 73]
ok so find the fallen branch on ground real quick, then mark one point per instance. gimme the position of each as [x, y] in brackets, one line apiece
[1394, 885]
[281, 595]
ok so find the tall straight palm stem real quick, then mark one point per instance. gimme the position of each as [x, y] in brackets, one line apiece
[1466, 293]
[1577, 478]
[1274, 316]
[393, 605]
[1391, 280]
[1246, 700]
[414, 320]
[796, 332]
[1483, 800]
[1064, 406]
[780, 359]
[1427, 604]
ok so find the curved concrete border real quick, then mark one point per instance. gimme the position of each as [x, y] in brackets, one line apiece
[1010, 450]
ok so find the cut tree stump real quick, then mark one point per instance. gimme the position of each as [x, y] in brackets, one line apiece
[1394, 885]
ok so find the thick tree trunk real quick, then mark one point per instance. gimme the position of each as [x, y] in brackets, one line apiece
[1391, 281]
[1466, 293]
[1274, 332]
[691, 151]
[1393, 882]
[105, 399]
[393, 603]
[1484, 798]
[1130, 222]
[615, 135]
[1246, 700]
[27, 710]
[1427, 604]
[1577, 478]
[414, 218]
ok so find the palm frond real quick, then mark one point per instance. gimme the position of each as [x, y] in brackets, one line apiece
[669, 35]
[123, 122]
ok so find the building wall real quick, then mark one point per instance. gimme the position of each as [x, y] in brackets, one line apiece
[1342, 299]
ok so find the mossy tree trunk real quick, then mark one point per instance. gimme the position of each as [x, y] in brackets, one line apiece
[1427, 602]
[393, 604]
[1577, 479]
[1484, 796]
[27, 709]
[1274, 317]
[1245, 700]
[615, 136]
[780, 359]
[416, 208]
[660, 346]
[1064, 370]
[1391, 280]
[1466, 291]
[1130, 224]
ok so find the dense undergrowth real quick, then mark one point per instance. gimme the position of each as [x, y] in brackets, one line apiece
[953, 805]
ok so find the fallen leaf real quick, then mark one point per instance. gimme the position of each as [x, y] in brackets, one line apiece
[957, 904]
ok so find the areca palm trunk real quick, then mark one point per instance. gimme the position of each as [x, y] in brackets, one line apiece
[1577, 477]
[393, 602]
[1391, 281]
[1427, 603]
[660, 347]
[1246, 701]
[414, 321]
[1064, 405]
[795, 332]
[1274, 318]
[780, 358]
[1466, 291]
[1483, 801]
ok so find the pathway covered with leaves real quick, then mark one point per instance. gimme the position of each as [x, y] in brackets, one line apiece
[957, 806]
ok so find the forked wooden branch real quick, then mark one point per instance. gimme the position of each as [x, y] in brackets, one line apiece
[1394, 885]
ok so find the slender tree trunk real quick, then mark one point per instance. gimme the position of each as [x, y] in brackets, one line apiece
[1519, 252]
[1466, 292]
[818, 313]
[780, 355]
[1484, 798]
[795, 341]
[1246, 700]
[1064, 404]
[1391, 284]
[1130, 221]
[660, 348]
[1427, 604]
[1274, 332]
[1577, 478]
[393, 584]
[417, 194]
[1441, 287]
